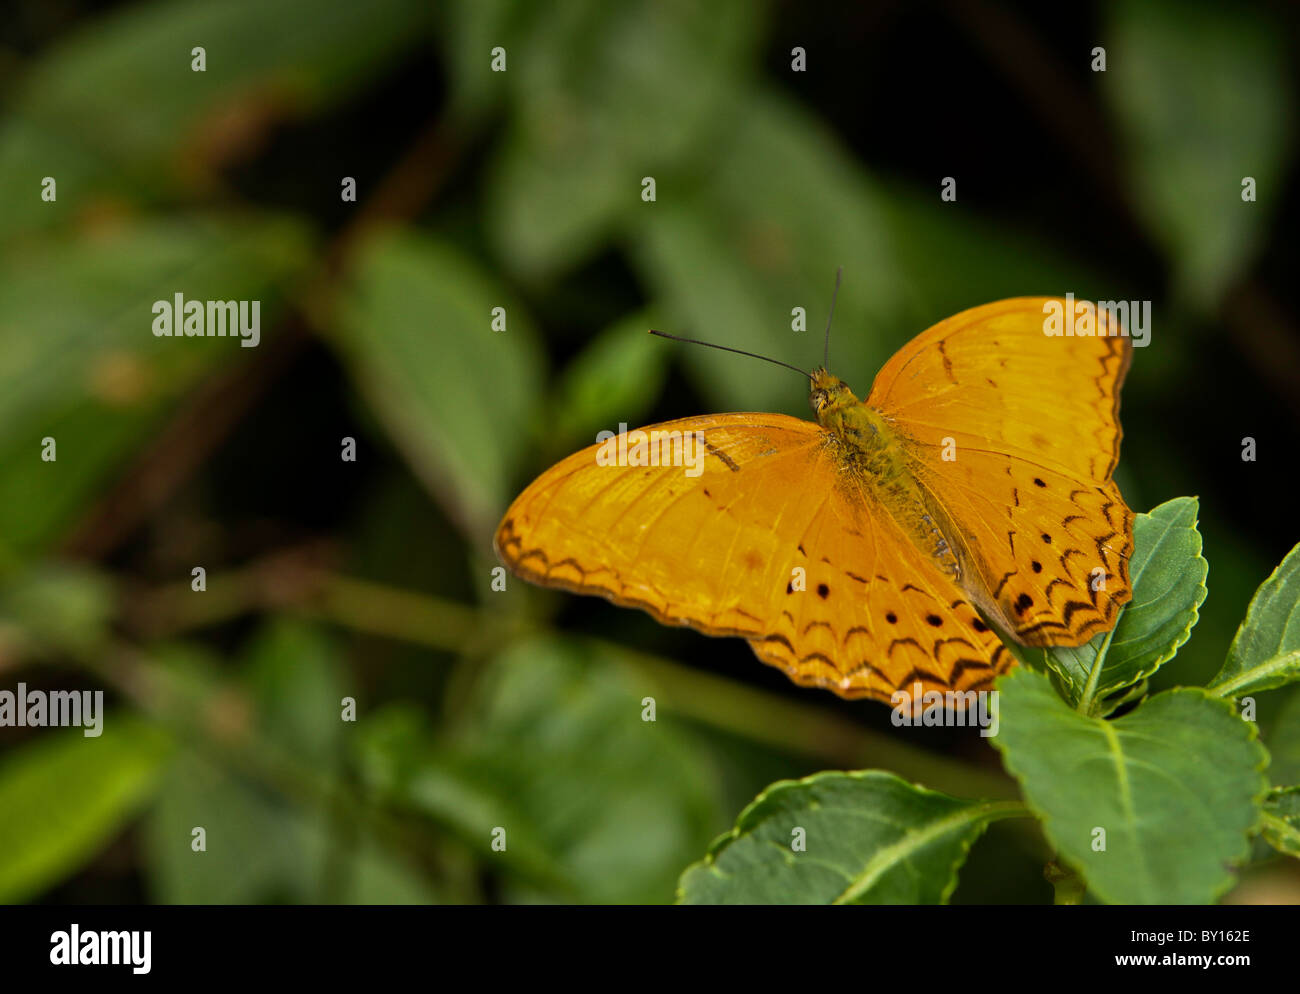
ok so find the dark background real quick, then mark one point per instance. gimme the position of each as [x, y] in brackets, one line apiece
[521, 189]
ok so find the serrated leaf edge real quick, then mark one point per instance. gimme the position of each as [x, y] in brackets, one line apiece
[992, 811]
[1224, 687]
[1229, 878]
[1202, 591]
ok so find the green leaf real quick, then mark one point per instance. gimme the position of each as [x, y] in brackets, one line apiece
[460, 400]
[58, 607]
[116, 111]
[294, 673]
[467, 33]
[1190, 140]
[614, 379]
[551, 747]
[262, 844]
[782, 208]
[95, 378]
[258, 848]
[377, 876]
[604, 95]
[458, 792]
[1282, 820]
[66, 795]
[1167, 573]
[1283, 740]
[1175, 785]
[870, 838]
[1265, 653]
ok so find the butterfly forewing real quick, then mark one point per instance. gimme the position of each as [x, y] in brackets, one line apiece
[1014, 434]
[701, 550]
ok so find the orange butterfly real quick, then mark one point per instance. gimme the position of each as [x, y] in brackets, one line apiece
[853, 553]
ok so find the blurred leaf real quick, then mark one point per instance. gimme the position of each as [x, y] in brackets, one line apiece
[58, 606]
[116, 112]
[1175, 785]
[616, 378]
[95, 378]
[378, 877]
[468, 32]
[604, 95]
[256, 843]
[258, 848]
[390, 746]
[192, 683]
[295, 674]
[948, 259]
[871, 839]
[782, 208]
[1191, 139]
[269, 837]
[454, 790]
[1167, 572]
[461, 400]
[1266, 650]
[552, 748]
[1284, 741]
[1282, 820]
[66, 795]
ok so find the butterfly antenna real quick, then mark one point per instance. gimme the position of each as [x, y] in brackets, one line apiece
[724, 348]
[826, 350]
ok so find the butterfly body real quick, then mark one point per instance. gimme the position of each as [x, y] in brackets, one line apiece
[865, 441]
[871, 462]
[854, 553]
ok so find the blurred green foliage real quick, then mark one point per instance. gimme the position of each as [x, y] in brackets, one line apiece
[371, 580]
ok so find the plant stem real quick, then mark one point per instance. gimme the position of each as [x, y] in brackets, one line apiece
[1068, 885]
[454, 627]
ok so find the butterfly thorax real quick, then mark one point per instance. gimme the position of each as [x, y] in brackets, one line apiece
[871, 459]
[865, 440]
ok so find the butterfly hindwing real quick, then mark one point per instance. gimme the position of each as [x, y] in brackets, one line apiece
[875, 615]
[702, 550]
